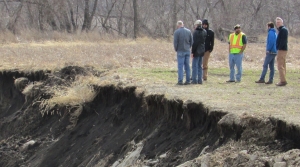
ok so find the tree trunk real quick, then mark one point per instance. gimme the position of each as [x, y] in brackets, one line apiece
[13, 21]
[30, 16]
[41, 16]
[120, 20]
[88, 18]
[135, 19]
[72, 16]
[174, 20]
[107, 17]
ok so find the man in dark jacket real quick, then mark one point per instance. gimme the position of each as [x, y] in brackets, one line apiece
[209, 46]
[282, 47]
[198, 49]
[271, 52]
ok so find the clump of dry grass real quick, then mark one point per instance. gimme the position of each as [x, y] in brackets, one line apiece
[80, 91]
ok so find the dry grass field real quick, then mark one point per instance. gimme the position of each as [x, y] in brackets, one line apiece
[150, 64]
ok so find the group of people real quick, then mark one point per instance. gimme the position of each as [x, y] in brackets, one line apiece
[200, 44]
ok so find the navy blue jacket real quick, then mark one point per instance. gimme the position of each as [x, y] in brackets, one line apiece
[199, 36]
[282, 39]
[271, 41]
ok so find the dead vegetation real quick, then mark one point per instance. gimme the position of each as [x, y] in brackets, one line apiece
[150, 65]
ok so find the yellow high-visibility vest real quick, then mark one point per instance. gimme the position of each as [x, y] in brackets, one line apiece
[236, 42]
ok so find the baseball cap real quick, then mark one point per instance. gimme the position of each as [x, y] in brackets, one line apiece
[237, 26]
[198, 22]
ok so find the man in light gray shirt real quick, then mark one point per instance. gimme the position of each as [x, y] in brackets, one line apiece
[183, 41]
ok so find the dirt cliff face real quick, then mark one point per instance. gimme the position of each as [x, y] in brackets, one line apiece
[124, 127]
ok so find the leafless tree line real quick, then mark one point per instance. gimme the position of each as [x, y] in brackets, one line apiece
[155, 18]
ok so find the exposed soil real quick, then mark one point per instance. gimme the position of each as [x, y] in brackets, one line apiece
[126, 127]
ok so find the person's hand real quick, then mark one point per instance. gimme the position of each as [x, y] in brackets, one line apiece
[192, 55]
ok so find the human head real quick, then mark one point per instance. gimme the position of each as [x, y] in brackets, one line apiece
[205, 23]
[198, 23]
[179, 24]
[270, 25]
[237, 29]
[279, 22]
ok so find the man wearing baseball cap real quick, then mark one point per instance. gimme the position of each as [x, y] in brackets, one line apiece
[237, 45]
[198, 50]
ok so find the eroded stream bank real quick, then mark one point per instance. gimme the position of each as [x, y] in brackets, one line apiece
[121, 126]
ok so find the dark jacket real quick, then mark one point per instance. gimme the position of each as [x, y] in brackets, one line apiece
[210, 38]
[282, 39]
[199, 37]
[271, 41]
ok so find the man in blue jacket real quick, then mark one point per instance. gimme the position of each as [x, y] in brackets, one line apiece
[282, 47]
[271, 53]
[183, 42]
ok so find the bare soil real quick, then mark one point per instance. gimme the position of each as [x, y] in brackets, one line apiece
[126, 125]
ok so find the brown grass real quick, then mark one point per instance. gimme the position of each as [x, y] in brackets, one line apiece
[110, 53]
[151, 65]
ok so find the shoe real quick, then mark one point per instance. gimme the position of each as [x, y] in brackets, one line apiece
[200, 83]
[281, 84]
[205, 79]
[269, 82]
[230, 81]
[260, 81]
[187, 83]
[237, 81]
[179, 83]
[193, 82]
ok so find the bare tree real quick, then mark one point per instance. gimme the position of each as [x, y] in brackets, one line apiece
[88, 17]
[13, 20]
[155, 18]
[135, 19]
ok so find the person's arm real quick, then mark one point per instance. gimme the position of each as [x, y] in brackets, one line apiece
[175, 42]
[285, 38]
[212, 43]
[191, 40]
[229, 43]
[243, 48]
[191, 44]
[268, 49]
[196, 42]
[244, 40]
[271, 41]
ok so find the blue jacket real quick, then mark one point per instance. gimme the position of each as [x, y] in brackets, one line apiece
[183, 40]
[271, 41]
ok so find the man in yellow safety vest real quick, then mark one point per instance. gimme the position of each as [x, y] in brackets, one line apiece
[237, 45]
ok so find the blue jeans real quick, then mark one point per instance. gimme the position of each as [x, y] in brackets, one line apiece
[236, 60]
[197, 69]
[269, 61]
[183, 60]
